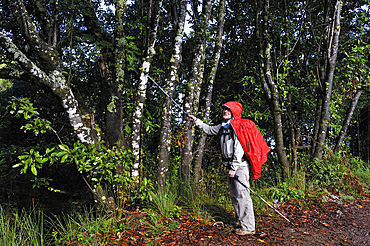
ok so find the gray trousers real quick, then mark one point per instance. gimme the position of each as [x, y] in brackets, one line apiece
[241, 199]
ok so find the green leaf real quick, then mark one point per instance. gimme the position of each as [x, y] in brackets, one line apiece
[41, 160]
[64, 147]
[34, 170]
[64, 158]
[59, 154]
[27, 162]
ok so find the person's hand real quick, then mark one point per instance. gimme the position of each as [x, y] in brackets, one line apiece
[232, 173]
[192, 118]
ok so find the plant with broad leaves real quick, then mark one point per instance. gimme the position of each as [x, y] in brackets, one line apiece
[33, 160]
[23, 107]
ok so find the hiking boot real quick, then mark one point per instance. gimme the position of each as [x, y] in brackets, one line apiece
[242, 232]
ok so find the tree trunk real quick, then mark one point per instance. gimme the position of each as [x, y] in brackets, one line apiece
[347, 121]
[321, 87]
[358, 138]
[213, 64]
[140, 100]
[293, 146]
[275, 96]
[165, 144]
[191, 102]
[114, 108]
[332, 56]
[111, 76]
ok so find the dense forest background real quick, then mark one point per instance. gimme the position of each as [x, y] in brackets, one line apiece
[81, 108]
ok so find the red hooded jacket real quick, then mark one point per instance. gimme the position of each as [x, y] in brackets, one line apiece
[251, 139]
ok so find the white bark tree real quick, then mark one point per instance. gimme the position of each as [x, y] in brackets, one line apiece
[211, 78]
[165, 143]
[196, 79]
[139, 107]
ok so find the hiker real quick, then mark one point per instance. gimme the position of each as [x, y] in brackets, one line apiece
[236, 160]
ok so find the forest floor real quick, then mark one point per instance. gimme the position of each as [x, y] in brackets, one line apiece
[334, 222]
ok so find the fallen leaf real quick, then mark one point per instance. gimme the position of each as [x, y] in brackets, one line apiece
[326, 224]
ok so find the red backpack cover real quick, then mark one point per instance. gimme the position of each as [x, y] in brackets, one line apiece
[251, 139]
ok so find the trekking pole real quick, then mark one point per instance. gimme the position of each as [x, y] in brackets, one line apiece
[168, 95]
[237, 178]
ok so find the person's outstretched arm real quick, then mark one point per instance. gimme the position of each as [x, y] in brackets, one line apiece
[211, 130]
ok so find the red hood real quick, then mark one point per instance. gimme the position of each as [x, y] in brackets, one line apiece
[236, 109]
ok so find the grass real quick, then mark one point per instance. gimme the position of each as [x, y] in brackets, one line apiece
[83, 227]
[164, 201]
[24, 228]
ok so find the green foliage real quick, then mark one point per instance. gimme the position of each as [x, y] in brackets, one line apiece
[83, 227]
[132, 53]
[207, 200]
[293, 188]
[99, 162]
[164, 201]
[4, 83]
[24, 228]
[285, 192]
[347, 176]
[361, 174]
[33, 160]
[327, 172]
[35, 123]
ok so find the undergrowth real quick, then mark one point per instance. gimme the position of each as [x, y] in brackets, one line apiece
[21, 228]
[207, 201]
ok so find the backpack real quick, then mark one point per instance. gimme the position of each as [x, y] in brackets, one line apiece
[254, 145]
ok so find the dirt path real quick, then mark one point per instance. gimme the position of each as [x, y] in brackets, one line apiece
[332, 223]
[329, 224]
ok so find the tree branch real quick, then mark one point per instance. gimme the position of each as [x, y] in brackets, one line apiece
[49, 56]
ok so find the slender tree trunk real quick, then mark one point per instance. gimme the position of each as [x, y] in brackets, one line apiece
[165, 144]
[138, 112]
[260, 57]
[194, 86]
[317, 120]
[293, 145]
[213, 64]
[358, 137]
[347, 120]
[275, 96]
[321, 87]
[286, 52]
[332, 56]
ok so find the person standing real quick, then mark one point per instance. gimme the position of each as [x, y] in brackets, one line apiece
[236, 162]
